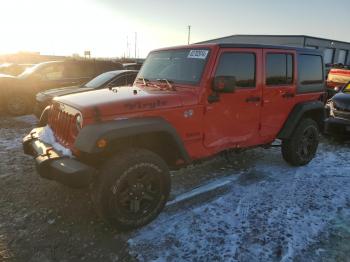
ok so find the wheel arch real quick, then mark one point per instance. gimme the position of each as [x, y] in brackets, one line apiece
[154, 134]
[314, 110]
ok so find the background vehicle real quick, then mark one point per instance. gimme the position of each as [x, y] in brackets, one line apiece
[18, 93]
[133, 66]
[13, 69]
[337, 77]
[107, 79]
[338, 112]
[187, 103]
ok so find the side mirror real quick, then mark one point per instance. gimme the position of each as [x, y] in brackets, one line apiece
[224, 84]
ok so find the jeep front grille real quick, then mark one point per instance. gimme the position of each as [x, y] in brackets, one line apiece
[61, 123]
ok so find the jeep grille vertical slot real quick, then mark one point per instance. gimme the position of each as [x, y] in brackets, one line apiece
[61, 123]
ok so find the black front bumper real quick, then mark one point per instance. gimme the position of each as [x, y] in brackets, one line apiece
[337, 126]
[52, 165]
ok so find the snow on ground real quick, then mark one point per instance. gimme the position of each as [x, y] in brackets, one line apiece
[46, 135]
[270, 212]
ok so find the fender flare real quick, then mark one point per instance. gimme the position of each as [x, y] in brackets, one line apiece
[87, 138]
[296, 115]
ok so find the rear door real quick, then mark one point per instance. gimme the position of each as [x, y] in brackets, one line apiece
[234, 120]
[279, 89]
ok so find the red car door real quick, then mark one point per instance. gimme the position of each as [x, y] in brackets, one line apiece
[278, 91]
[234, 119]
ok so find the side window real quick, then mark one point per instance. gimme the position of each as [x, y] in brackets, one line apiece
[78, 70]
[131, 78]
[279, 69]
[52, 72]
[119, 81]
[239, 65]
[310, 73]
[310, 69]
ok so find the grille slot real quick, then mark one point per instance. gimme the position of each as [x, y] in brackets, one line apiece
[61, 123]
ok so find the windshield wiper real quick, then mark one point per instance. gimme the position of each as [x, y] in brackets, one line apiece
[168, 82]
[144, 80]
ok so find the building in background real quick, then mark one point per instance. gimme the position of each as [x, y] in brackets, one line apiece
[334, 51]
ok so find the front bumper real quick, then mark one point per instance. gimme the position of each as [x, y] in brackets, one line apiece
[337, 126]
[52, 165]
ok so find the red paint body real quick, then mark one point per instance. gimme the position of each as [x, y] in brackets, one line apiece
[212, 127]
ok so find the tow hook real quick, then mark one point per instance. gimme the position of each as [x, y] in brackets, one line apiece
[47, 152]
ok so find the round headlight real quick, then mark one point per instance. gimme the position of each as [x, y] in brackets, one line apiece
[79, 121]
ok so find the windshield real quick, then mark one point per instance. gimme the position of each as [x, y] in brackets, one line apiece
[184, 66]
[347, 88]
[36, 68]
[100, 80]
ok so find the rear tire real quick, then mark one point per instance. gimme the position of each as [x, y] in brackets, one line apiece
[301, 147]
[132, 188]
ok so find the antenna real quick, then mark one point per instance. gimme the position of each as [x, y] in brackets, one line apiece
[135, 46]
[189, 35]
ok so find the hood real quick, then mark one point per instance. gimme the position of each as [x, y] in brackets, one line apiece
[342, 101]
[122, 100]
[51, 93]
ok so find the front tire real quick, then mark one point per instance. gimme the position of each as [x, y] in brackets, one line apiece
[132, 188]
[301, 147]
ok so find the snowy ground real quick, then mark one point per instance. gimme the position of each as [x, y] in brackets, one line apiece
[252, 207]
[270, 212]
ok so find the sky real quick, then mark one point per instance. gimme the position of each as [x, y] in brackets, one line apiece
[108, 28]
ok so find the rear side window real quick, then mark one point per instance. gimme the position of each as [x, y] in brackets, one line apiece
[239, 65]
[310, 70]
[279, 69]
[310, 73]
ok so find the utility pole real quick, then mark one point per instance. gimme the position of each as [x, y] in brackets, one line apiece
[189, 35]
[135, 46]
[127, 47]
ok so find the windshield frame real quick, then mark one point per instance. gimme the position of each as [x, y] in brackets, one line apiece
[174, 81]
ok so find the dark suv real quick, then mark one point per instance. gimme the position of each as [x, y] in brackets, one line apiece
[338, 111]
[107, 79]
[17, 94]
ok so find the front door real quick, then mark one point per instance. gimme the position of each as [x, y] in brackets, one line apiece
[278, 91]
[234, 120]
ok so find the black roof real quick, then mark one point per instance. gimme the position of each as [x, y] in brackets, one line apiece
[298, 49]
[300, 36]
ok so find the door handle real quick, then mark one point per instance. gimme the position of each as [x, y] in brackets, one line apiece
[288, 95]
[253, 99]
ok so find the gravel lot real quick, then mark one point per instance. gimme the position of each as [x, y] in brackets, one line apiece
[257, 209]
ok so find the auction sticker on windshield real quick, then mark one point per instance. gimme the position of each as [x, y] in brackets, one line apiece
[199, 54]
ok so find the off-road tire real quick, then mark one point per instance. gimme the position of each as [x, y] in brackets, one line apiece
[301, 147]
[130, 175]
[17, 105]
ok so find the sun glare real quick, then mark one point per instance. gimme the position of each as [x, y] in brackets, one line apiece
[63, 27]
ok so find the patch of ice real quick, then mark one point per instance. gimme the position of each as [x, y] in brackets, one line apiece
[47, 136]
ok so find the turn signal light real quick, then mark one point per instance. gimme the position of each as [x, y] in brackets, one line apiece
[101, 143]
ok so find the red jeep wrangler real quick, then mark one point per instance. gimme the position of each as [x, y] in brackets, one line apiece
[187, 103]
